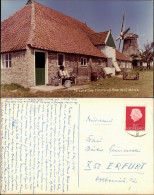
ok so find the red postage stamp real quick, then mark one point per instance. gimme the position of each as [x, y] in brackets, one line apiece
[135, 118]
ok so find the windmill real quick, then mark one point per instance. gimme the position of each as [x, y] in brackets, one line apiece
[122, 33]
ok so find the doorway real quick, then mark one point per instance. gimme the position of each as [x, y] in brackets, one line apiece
[134, 62]
[40, 68]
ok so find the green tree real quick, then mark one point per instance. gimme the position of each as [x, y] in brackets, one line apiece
[148, 54]
[135, 59]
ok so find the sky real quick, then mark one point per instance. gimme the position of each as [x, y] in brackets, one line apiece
[100, 15]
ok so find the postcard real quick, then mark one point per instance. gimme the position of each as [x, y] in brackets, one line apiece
[52, 54]
[77, 146]
[63, 48]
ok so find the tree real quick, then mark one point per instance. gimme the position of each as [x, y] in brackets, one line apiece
[135, 59]
[148, 54]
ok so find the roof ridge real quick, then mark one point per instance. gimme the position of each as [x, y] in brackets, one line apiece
[98, 33]
[72, 18]
[104, 32]
[32, 25]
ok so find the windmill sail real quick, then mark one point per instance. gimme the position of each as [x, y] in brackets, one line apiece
[122, 25]
[122, 33]
[126, 31]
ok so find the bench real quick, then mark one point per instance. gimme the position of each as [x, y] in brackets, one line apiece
[130, 77]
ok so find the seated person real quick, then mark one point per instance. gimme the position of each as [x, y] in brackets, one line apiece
[63, 73]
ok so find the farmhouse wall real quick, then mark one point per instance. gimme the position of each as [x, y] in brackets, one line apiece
[108, 51]
[73, 65]
[22, 70]
[125, 66]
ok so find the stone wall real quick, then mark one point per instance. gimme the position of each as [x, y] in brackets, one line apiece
[22, 70]
[52, 66]
[73, 65]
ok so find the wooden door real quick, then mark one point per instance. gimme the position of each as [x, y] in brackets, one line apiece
[40, 68]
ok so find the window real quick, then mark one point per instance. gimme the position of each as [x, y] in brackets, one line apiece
[60, 60]
[99, 62]
[109, 62]
[123, 65]
[6, 60]
[83, 61]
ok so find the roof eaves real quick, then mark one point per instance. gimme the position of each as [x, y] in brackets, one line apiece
[13, 50]
[56, 50]
[103, 43]
[123, 58]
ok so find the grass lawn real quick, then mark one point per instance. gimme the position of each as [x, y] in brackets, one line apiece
[111, 87]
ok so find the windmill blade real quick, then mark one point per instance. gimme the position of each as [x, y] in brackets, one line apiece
[126, 31]
[119, 44]
[121, 33]
[122, 25]
[118, 38]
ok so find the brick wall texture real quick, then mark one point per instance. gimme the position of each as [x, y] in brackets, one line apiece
[23, 67]
[22, 70]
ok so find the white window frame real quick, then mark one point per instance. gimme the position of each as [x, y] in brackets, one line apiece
[130, 66]
[84, 59]
[3, 60]
[63, 59]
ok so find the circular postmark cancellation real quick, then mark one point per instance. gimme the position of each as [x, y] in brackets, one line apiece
[135, 120]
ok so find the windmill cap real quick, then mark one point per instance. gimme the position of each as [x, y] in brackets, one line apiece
[130, 36]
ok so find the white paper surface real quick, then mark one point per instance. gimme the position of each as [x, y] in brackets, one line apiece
[74, 146]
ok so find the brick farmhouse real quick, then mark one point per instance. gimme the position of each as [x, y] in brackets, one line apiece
[36, 41]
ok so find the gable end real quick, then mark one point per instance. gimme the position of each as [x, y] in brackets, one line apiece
[110, 41]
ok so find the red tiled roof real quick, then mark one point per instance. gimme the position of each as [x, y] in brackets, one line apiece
[99, 38]
[120, 56]
[15, 30]
[47, 29]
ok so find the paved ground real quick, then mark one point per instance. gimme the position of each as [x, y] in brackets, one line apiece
[47, 88]
[55, 88]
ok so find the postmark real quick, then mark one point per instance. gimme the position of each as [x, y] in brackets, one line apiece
[135, 120]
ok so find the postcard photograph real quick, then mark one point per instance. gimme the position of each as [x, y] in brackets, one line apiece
[73, 48]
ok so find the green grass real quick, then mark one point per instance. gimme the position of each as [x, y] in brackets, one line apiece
[111, 87]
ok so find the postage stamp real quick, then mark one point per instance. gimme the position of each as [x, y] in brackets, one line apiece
[135, 120]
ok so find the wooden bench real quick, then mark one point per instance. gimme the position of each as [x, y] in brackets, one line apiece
[130, 77]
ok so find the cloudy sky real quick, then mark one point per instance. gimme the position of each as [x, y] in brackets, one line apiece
[100, 15]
